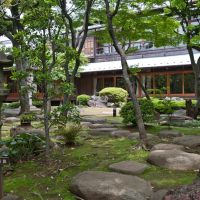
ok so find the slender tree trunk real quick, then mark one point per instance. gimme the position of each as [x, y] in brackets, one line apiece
[23, 88]
[138, 113]
[197, 92]
[131, 88]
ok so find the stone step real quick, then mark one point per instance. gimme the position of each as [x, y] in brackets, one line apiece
[129, 167]
[102, 131]
[95, 185]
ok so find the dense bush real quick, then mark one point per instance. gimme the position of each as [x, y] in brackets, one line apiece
[160, 105]
[38, 103]
[64, 114]
[83, 99]
[12, 105]
[128, 112]
[69, 132]
[22, 147]
[114, 94]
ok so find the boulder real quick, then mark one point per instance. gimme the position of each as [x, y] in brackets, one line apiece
[191, 141]
[102, 126]
[162, 146]
[98, 104]
[128, 167]
[170, 133]
[121, 133]
[175, 159]
[10, 120]
[20, 129]
[93, 185]
[136, 136]
[102, 131]
[187, 192]
[11, 112]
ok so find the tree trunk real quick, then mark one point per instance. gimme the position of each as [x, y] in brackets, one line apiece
[197, 92]
[138, 113]
[23, 88]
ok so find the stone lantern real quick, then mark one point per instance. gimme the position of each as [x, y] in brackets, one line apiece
[5, 61]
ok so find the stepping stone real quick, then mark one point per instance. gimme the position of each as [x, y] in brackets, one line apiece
[188, 141]
[10, 120]
[86, 124]
[93, 185]
[175, 159]
[128, 167]
[94, 126]
[11, 112]
[102, 131]
[170, 133]
[136, 136]
[159, 195]
[167, 147]
[121, 133]
[11, 197]
[94, 120]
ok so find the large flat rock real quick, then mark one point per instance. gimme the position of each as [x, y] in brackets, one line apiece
[188, 140]
[102, 131]
[94, 120]
[121, 133]
[163, 146]
[128, 167]
[170, 133]
[175, 159]
[93, 185]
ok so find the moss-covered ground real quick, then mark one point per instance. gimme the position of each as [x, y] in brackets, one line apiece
[37, 179]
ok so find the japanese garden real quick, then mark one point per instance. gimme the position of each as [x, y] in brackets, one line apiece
[99, 100]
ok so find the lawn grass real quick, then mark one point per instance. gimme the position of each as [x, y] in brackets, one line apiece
[35, 180]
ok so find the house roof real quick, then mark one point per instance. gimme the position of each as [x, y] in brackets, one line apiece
[168, 61]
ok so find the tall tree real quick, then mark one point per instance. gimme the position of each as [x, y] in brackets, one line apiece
[187, 12]
[11, 26]
[76, 16]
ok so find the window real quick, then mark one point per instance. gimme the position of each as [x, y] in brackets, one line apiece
[147, 82]
[161, 84]
[108, 82]
[176, 84]
[120, 82]
[189, 83]
[99, 84]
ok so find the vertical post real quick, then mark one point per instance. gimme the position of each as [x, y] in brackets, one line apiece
[1, 181]
[114, 111]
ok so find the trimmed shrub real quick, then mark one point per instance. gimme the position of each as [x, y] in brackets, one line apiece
[114, 94]
[11, 105]
[38, 103]
[69, 133]
[83, 99]
[128, 112]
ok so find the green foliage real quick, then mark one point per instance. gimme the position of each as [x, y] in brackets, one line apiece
[128, 112]
[69, 132]
[22, 147]
[28, 117]
[114, 94]
[38, 103]
[64, 114]
[83, 99]
[12, 105]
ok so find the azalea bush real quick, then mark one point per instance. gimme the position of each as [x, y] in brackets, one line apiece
[83, 99]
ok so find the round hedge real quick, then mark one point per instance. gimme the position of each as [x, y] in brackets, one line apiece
[83, 99]
[114, 94]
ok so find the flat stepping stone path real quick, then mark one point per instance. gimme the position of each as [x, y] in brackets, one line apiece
[128, 167]
[121, 133]
[102, 126]
[170, 133]
[102, 131]
[94, 185]
[10, 120]
[136, 136]
[175, 159]
[162, 146]
[188, 141]
[94, 120]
